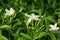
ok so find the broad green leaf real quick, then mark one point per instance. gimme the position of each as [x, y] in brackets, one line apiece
[3, 38]
[25, 35]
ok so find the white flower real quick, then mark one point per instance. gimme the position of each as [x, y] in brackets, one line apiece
[9, 12]
[32, 17]
[54, 27]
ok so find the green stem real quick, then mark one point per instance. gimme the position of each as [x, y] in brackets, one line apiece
[2, 20]
[32, 6]
[27, 27]
[10, 20]
[9, 37]
[32, 36]
[38, 23]
[32, 23]
[35, 23]
[0, 31]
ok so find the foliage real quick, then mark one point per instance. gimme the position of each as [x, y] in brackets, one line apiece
[15, 27]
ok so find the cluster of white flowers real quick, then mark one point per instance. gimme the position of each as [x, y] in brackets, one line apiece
[31, 17]
[36, 17]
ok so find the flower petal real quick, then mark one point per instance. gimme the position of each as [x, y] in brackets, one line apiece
[55, 24]
[6, 14]
[27, 15]
[36, 19]
[11, 10]
[51, 26]
[7, 11]
[57, 28]
[29, 20]
[37, 16]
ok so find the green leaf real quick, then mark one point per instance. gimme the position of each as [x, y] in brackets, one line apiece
[21, 38]
[49, 2]
[52, 36]
[25, 35]
[16, 24]
[1, 9]
[47, 25]
[34, 11]
[37, 30]
[54, 3]
[41, 35]
[5, 27]
[49, 18]
[55, 31]
[3, 38]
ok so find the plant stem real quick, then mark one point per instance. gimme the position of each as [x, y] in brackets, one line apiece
[32, 23]
[27, 28]
[0, 31]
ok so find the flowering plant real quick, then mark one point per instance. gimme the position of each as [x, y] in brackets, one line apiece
[29, 20]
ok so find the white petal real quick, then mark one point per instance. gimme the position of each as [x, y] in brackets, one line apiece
[51, 26]
[27, 15]
[32, 14]
[7, 11]
[57, 28]
[36, 19]
[6, 14]
[29, 20]
[36, 16]
[11, 10]
[56, 24]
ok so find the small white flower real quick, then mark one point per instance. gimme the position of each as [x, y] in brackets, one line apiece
[32, 17]
[54, 27]
[9, 12]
